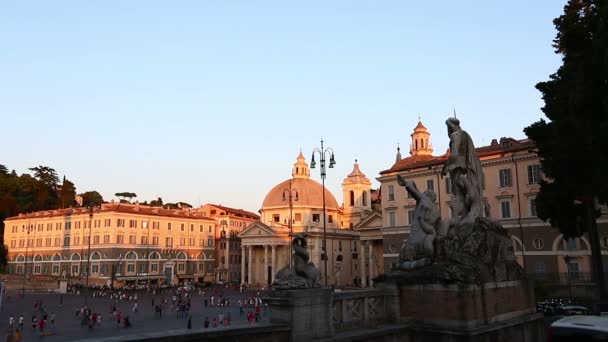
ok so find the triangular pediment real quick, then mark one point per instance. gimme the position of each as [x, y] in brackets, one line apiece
[257, 229]
[373, 220]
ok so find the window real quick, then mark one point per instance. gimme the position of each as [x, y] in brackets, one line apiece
[182, 241]
[142, 268]
[604, 242]
[47, 242]
[154, 267]
[38, 242]
[298, 217]
[410, 216]
[58, 226]
[391, 219]
[351, 196]
[68, 225]
[538, 243]
[155, 240]
[392, 248]
[119, 238]
[330, 219]
[505, 177]
[191, 227]
[192, 242]
[22, 243]
[210, 242]
[77, 225]
[534, 174]
[539, 267]
[144, 240]
[182, 227]
[532, 202]
[132, 239]
[505, 209]
[57, 241]
[169, 242]
[391, 192]
[571, 244]
[210, 228]
[13, 243]
[430, 185]
[169, 226]
[85, 240]
[364, 198]
[95, 269]
[276, 218]
[132, 223]
[316, 218]
[155, 225]
[106, 238]
[96, 239]
[448, 185]
[120, 222]
[200, 228]
[74, 269]
[202, 242]
[130, 267]
[181, 267]
[76, 241]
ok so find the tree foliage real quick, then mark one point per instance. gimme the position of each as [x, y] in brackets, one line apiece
[91, 198]
[125, 196]
[67, 195]
[572, 144]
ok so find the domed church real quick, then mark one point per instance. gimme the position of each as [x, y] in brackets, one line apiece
[297, 204]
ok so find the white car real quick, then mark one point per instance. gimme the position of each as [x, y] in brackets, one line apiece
[579, 328]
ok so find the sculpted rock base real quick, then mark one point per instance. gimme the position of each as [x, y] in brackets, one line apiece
[473, 253]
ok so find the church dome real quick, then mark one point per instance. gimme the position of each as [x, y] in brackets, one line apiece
[305, 191]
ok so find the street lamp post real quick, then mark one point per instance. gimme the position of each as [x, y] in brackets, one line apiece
[91, 209]
[322, 153]
[148, 256]
[27, 245]
[290, 191]
[567, 259]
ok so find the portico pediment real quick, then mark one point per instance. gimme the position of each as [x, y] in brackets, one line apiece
[373, 220]
[257, 229]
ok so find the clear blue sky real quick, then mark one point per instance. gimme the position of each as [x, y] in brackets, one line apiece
[210, 101]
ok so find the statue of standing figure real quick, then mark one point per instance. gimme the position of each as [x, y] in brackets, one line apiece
[464, 167]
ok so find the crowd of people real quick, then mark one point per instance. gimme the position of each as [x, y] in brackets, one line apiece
[214, 304]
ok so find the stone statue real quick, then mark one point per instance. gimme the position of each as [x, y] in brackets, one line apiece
[467, 200]
[417, 250]
[469, 247]
[304, 274]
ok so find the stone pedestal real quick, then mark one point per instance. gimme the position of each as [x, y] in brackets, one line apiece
[308, 312]
[495, 311]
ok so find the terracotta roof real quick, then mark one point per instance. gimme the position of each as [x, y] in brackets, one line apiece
[126, 208]
[419, 126]
[238, 212]
[505, 145]
[309, 192]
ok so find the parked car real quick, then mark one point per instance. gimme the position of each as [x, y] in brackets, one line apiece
[579, 328]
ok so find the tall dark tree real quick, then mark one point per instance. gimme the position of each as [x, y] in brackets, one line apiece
[67, 196]
[46, 175]
[91, 198]
[3, 170]
[572, 143]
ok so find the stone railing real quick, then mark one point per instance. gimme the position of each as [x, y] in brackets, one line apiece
[355, 309]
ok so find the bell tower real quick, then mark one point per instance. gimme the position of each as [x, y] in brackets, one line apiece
[421, 142]
[356, 188]
[300, 168]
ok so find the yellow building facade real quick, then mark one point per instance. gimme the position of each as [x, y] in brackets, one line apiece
[128, 243]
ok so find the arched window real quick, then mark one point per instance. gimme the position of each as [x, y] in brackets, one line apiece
[416, 143]
[38, 257]
[352, 198]
[131, 255]
[95, 256]
[154, 256]
[75, 256]
[181, 256]
[56, 257]
[422, 143]
[364, 198]
[339, 258]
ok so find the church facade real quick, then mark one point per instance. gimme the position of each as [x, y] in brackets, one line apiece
[296, 205]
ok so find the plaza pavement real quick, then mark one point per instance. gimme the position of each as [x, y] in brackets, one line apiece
[68, 326]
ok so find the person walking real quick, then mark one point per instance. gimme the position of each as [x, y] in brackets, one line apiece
[21, 321]
[11, 321]
[118, 317]
[52, 320]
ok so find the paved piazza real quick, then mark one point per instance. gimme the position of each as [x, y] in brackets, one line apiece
[68, 326]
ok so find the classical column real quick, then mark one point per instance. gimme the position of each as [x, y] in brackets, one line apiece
[265, 268]
[250, 275]
[362, 264]
[242, 264]
[274, 261]
[371, 263]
